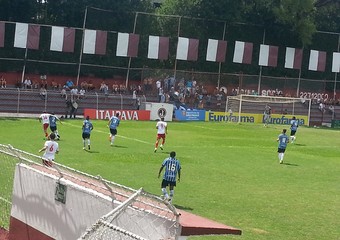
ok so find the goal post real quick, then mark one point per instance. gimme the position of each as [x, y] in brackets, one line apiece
[250, 108]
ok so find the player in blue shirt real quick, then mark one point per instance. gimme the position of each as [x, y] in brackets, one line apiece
[294, 124]
[87, 128]
[283, 141]
[53, 125]
[113, 124]
[172, 168]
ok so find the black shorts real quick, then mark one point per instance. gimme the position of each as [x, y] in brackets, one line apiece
[86, 135]
[166, 183]
[281, 150]
[53, 129]
[113, 131]
[292, 132]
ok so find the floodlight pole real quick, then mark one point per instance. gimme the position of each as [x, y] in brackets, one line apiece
[336, 73]
[82, 47]
[178, 29]
[129, 64]
[260, 74]
[220, 63]
[24, 67]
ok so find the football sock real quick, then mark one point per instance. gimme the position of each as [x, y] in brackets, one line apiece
[165, 193]
[172, 193]
[112, 139]
[88, 142]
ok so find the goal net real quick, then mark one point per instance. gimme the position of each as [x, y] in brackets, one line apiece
[241, 108]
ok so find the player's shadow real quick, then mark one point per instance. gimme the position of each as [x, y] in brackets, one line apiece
[119, 146]
[90, 151]
[290, 164]
[183, 207]
[299, 144]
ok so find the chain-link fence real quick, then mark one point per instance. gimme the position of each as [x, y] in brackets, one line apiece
[32, 101]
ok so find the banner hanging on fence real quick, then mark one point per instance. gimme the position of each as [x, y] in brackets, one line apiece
[243, 52]
[2, 34]
[317, 61]
[158, 47]
[216, 50]
[27, 36]
[62, 39]
[293, 58]
[95, 42]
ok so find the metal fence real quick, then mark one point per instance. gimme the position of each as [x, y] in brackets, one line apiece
[15, 100]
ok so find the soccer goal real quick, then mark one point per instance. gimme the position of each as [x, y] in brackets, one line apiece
[245, 108]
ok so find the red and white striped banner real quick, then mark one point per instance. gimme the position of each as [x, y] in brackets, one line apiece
[336, 62]
[187, 49]
[127, 45]
[243, 52]
[95, 42]
[268, 55]
[293, 58]
[27, 36]
[317, 61]
[2, 34]
[216, 50]
[62, 39]
[158, 47]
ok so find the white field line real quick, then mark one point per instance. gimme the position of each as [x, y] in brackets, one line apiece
[5, 200]
[124, 137]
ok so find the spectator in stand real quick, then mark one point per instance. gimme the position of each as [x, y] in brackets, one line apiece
[84, 85]
[160, 93]
[134, 97]
[150, 83]
[3, 82]
[219, 99]
[115, 88]
[27, 83]
[158, 85]
[43, 83]
[138, 103]
[331, 111]
[63, 93]
[74, 93]
[145, 85]
[54, 85]
[35, 84]
[69, 84]
[43, 93]
[102, 86]
[322, 107]
[81, 93]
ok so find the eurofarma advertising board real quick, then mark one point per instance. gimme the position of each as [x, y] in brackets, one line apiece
[253, 118]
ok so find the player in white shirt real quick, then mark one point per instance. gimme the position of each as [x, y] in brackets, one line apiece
[51, 148]
[45, 119]
[162, 130]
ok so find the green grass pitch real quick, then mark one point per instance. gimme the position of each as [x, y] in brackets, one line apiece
[230, 172]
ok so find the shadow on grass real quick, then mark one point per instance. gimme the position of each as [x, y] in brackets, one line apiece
[118, 146]
[90, 151]
[290, 164]
[183, 207]
[9, 118]
[299, 144]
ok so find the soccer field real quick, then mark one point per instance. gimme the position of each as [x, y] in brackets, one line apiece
[230, 172]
